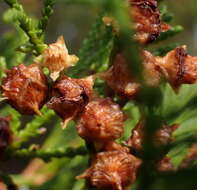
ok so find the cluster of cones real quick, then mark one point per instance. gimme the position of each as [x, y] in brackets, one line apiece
[100, 120]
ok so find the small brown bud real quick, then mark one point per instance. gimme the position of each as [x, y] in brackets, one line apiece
[110, 21]
[102, 120]
[152, 72]
[163, 136]
[112, 170]
[165, 27]
[165, 165]
[56, 58]
[70, 96]
[25, 88]
[5, 134]
[136, 140]
[119, 78]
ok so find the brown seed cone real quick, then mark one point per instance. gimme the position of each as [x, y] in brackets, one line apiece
[165, 165]
[136, 139]
[152, 71]
[177, 66]
[56, 58]
[162, 136]
[119, 78]
[102, 120]
[26, 88]
[5, 134]
[70, 96]
[146, 16]
[112, 170]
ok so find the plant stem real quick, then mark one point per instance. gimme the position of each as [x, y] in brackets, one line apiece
[50, 153]
[47, 11]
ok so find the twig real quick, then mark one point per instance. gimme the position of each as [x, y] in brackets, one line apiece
[47, 11]
[50, 153]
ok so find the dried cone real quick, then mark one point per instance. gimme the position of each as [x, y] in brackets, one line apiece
[136, 139]
[56, 58]
[177, 66]
[119, 78]
[102, 120]
[113, 170]
[162, 136]
[152, 71]
[5, 134]
[165, 165]
[146, 16]
[70, 96]
[25, 88]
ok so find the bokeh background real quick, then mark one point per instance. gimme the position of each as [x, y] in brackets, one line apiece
[74, 21]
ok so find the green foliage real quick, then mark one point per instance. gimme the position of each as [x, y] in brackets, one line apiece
[96, 49]
[33, 128]
[166, 16]
[46, 13]
[170, 33]
[2, 67]
[27, 25]
[9, 40]
[49, 154]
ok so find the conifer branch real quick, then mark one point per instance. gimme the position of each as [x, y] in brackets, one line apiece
[32, 128]
[165, 15]
[47, 11]
[96, 50]
[26, 24]
[169, 33]
[46, 155]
